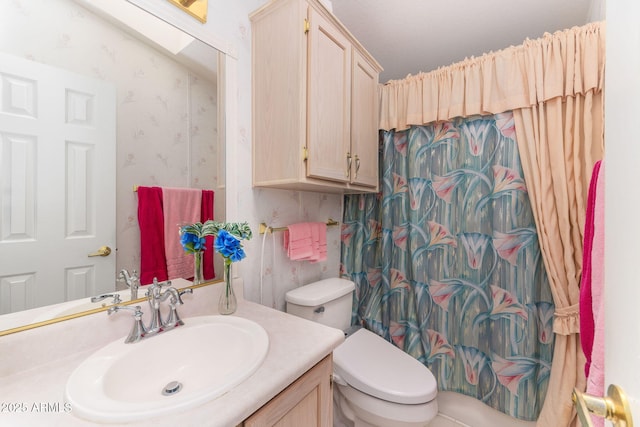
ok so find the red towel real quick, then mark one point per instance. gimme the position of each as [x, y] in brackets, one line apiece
[208, 272]
[587, 324]
[151, 221]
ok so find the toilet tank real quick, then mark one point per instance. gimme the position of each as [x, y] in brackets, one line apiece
[327, 301]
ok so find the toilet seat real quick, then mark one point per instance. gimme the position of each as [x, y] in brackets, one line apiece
[372, 365]
[380, 412]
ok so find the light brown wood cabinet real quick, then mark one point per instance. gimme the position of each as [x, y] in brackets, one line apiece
[307, 402]
[315, 101]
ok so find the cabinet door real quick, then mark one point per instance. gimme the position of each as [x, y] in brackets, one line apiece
[364, 123]
[307, 402]
[328, 100]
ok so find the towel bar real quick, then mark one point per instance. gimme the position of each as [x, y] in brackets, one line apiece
[264, 228]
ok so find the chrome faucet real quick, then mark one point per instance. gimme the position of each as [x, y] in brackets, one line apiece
[155, 296]
[132, 280]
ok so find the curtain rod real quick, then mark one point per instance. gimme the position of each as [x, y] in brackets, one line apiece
[264, 228]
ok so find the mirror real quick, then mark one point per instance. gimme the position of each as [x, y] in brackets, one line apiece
[167, 141]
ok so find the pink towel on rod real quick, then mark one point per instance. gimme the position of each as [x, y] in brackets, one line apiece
[298, 242]
[319, 237]
[182, 206]
[151, 221]
[306, 241]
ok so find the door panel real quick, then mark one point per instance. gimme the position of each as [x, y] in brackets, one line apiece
[57, 152]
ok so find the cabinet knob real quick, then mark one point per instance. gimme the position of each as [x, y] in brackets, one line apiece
[357, 167]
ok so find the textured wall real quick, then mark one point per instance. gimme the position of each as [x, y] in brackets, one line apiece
[229, 21]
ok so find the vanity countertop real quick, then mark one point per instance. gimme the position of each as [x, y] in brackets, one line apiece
[34, 396]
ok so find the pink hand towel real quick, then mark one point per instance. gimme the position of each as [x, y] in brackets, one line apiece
[151, 221]
[319, 237]
[306, 241]
[322, 231]
[182, 206]
[298, 242]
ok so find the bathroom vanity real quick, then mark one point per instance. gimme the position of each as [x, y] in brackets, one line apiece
[306, 402]
[293, 383]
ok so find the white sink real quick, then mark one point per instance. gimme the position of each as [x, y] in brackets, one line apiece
[208, 356]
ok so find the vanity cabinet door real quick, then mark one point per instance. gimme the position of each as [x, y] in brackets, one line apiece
[306, 402]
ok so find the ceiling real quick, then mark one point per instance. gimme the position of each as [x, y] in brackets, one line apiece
[410, 36]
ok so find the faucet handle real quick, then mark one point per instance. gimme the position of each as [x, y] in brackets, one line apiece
[160, 285]
[123, 275]
[116, 298]
[174, 319]
[138, 331]
[177, 299]
[137, 310]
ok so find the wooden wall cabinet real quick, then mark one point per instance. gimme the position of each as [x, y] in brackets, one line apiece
[315, 101]
[307, 402]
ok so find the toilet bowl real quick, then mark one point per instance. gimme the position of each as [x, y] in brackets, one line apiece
[376, 384]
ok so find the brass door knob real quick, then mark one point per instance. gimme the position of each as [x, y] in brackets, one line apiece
[103, 251]
[614, 407]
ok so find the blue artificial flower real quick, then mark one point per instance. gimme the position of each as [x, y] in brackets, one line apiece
[192, 243]
[229, 246]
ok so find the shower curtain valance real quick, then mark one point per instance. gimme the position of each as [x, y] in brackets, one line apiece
[561, 64]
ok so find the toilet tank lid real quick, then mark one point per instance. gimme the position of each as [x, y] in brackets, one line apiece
[320, 292]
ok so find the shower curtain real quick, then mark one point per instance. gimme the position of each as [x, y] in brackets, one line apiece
[554, 86]
[447, 264]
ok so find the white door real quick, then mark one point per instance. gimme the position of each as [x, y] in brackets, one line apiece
[622, 200]
[57, 184]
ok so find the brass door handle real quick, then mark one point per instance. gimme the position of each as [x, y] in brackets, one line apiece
[103, 251]
[614, 407]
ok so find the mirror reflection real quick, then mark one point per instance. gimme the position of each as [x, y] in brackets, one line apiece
[77, 195]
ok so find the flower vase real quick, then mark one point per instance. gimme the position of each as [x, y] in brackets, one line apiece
[197, 268]
[228, 302]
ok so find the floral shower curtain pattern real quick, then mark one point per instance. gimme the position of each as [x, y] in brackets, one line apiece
[447, 264]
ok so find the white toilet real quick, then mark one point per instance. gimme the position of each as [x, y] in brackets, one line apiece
[377, 384]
